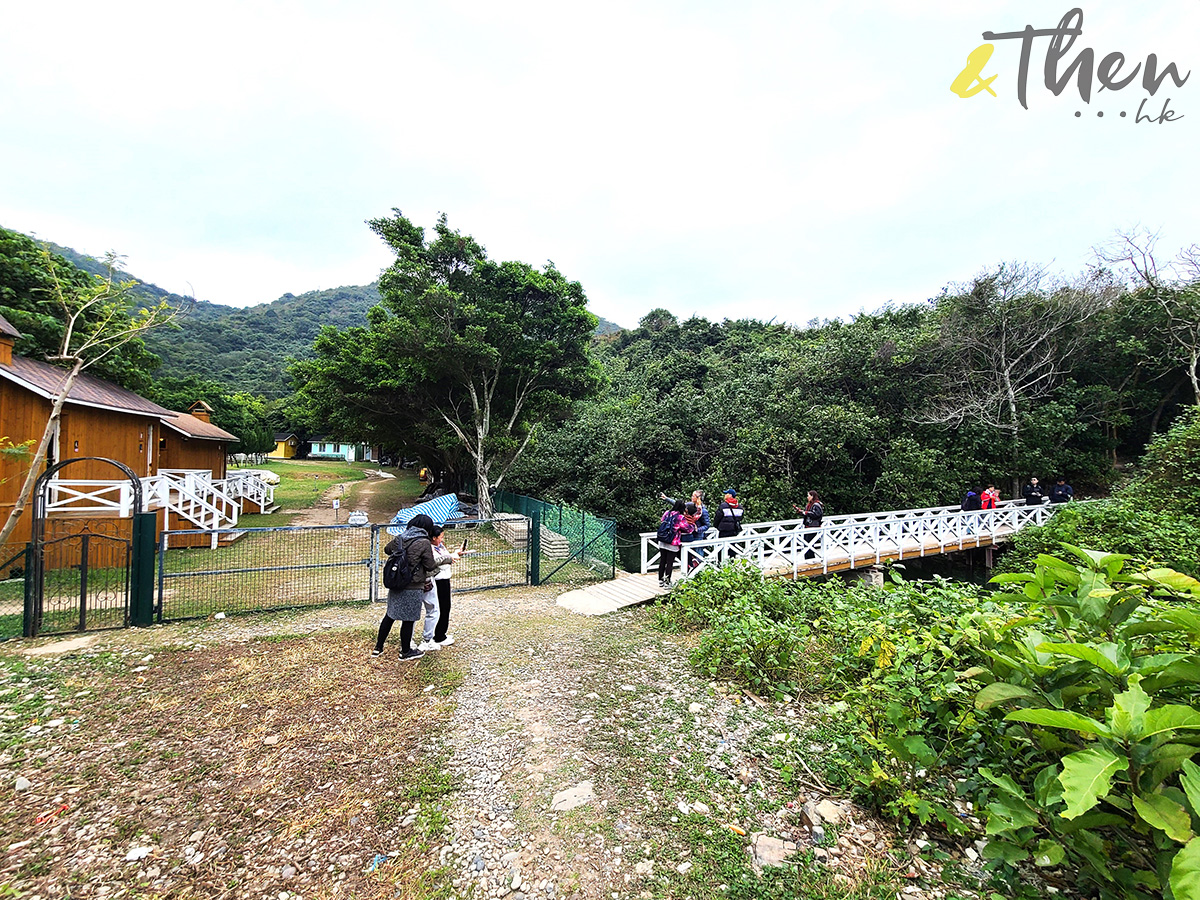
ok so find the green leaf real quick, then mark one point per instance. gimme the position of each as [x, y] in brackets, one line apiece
[1176, 581]
[1003, 817]
[1190, 780]
[1108, 657]
[1125, 716]
[1092, 821]
[1169, 718]
[1058, 718]
[1166, 815]
[1138, 629]
[1046, 788]
[1010, 853]
[973, 672]
[1012, 578]
[1185, 872]
[1166, 760]
[1185, 619]
[1006, 784]
[1001, 692]
[1087, 777]
[1048, 853]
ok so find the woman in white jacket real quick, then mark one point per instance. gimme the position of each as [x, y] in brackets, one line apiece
[437, 599]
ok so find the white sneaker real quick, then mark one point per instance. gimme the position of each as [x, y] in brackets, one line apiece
[426, 646]
[447, 641]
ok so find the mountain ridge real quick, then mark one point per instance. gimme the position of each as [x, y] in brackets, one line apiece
[247, 347]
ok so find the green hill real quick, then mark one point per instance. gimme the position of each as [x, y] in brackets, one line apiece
[249, 348]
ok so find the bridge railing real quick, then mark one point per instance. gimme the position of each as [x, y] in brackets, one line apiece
[855, 540]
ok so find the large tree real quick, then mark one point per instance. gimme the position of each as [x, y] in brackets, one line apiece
[96, 320]
[31, 276]
[1006, 344]
[1173, 287]
[463, 357]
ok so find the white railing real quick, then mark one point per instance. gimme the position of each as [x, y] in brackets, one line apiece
[853, 541]
[247, 486]
[85, 496]
[191, 493]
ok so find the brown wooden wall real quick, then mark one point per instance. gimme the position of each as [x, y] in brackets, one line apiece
[84, 431]
[175, 451]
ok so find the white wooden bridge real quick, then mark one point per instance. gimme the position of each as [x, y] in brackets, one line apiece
[842, 543]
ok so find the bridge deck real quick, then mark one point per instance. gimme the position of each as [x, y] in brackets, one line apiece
[633, 590]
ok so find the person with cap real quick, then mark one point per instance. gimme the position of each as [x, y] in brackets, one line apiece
[729, 515]
[1061, 492]
[405, 605]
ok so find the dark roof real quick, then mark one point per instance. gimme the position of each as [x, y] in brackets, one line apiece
[7, 328]
[284, 435]
[44, 379]
[197, 428]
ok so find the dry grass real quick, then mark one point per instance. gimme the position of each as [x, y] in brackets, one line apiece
[299, 754]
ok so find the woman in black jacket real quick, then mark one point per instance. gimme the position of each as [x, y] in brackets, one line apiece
[406, 605]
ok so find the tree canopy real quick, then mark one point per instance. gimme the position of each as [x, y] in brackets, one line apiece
[28, 274]
[461, 360]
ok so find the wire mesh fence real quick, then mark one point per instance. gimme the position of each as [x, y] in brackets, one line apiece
[497, 553]
[257, 569]
[13, 563]
[574, 545]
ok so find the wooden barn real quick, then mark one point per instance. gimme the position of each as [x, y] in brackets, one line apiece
[178, 458]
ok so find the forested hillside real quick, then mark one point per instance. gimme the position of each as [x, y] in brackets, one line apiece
[247, 349]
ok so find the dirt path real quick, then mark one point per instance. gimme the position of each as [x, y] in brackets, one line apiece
[366, 495]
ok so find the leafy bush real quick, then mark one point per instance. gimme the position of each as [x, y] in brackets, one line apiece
[1092, 771]
[1169, 472]
[1104, 664]
[1132, 525]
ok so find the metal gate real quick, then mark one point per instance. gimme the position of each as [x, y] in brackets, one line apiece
[84, 562]
[81, 583]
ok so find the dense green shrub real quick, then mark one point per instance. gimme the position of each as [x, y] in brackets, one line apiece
[1135, 525]
[1096, 767]
[1169, 472]
[1092, 771]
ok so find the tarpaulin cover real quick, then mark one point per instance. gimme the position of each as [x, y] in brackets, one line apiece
[440, 509]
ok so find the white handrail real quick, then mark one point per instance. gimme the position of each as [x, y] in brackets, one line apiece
[859, 539]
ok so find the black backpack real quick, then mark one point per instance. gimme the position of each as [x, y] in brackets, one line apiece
[666, 530]
[397, 571]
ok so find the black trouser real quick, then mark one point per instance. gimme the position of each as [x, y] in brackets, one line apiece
[443, 623]
[666, 563]
[385, 628]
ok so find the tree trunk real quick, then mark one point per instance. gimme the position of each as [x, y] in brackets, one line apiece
[483, 487]
[1162, 407]
[14, 515]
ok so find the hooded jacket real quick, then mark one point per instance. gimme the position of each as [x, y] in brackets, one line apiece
[420, 555]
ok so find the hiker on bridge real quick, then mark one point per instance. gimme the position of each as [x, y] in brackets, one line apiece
[671, 529]
[729, 515]
[1061, 492]
[972, 503]
[813, 513]
[1033, 493]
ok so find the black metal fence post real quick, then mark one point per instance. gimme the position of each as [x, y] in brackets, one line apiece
[141, 588]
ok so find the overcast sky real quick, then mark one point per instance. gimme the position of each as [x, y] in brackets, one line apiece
[783, 160]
